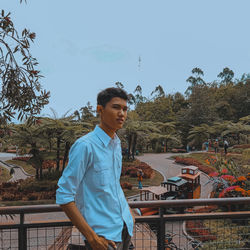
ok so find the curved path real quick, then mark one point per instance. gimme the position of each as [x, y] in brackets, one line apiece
[164, 164]
[19, 173]
[168, 168]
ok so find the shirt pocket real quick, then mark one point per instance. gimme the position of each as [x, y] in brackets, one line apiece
[102, 173]
[119, 164]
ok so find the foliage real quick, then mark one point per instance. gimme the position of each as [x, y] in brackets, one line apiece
[21, 90]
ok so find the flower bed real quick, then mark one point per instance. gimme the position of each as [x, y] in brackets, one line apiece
[192, 162]
[198, 230]
[27, 189]
[133, 168]
[21, 158]
[126, 185]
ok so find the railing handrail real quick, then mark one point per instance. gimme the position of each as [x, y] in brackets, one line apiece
[133, 204]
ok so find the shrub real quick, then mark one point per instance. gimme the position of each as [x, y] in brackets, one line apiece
[132, 169]
[21, 158]
[246, 154]
[8, 197]
[178, 150]
[6, 184]
[242, 146]
[126, 185]
[197, 228]
[32, 196]
[192, 162]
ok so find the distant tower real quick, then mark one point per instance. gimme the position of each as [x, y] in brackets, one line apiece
[139, 63]
[139, 70]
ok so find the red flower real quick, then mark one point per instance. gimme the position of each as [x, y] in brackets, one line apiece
[224, 171]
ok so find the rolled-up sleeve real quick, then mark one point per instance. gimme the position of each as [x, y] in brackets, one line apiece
[79, 160]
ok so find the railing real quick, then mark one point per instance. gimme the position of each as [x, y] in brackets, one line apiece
[227, 228]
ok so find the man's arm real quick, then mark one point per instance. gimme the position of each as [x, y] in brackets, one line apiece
[96, 242]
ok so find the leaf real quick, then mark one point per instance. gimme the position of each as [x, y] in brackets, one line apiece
[16, 49]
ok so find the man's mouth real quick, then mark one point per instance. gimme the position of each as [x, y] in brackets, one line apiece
[120, 121]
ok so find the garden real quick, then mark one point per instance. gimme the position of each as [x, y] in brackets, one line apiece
[230, 177]
[32, 190]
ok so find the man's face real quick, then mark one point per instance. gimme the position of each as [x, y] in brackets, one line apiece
[114, 114]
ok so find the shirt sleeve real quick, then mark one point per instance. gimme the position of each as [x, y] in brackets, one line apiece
[79, 160]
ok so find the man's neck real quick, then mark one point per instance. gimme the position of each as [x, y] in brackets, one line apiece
[110, 132]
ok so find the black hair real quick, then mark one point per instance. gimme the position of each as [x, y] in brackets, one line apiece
[107, 94]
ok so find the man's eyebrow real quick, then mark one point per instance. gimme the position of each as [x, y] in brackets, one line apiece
[118, 105]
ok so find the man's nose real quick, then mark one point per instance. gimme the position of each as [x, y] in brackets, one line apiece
[121, 112]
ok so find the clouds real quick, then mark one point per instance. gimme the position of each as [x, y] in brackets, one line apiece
[106, 53]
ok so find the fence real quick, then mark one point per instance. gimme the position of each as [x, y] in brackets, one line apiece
[227, 228]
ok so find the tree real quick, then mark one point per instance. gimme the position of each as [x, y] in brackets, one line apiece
[199, 134]
[138, 97]
[226, 76]
[26, 135]
[235, 130]
[72, 132]
[21, 90]
[158, 92]
[168, 133]
[195, 80]
[87, 112]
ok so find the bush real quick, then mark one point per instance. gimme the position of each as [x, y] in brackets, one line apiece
[132, 169]
[126, 185]
[242, 146]
[8, 197]
[246, 154]
[178, 150]
[192, 162]
[21, 158]
[52, 175]
[196, 228]
[32, 196]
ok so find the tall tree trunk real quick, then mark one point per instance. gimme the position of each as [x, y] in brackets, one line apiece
[129, 144]
[65, 157]
[166, 144]
[134, 145]
[58, 143]
[37, 173]
[41, 170]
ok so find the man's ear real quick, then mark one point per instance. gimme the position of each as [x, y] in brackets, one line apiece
[99, 109]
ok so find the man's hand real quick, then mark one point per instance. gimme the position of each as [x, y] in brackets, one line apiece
[100, 243]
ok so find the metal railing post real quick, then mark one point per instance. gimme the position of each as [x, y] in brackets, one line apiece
[22, 234]
[161, 231]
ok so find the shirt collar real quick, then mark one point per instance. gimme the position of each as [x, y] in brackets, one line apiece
[104, 137]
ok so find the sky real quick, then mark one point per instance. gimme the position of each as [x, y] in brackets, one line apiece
[84, 46]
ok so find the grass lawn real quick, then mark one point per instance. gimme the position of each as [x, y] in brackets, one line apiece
[27, 167]
[156, 180]
[5, 175]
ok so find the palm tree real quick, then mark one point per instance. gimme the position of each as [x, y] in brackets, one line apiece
[30, 136]
[168, 133]
[56, 127]
[236, 129]
[71, 133]
[198, 134]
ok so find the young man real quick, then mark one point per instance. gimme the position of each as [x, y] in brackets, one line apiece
[89, 190]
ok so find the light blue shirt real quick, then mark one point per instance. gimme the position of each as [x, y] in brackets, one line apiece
[92, 180]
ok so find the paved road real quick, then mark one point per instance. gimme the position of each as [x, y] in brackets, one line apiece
[19, 173]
